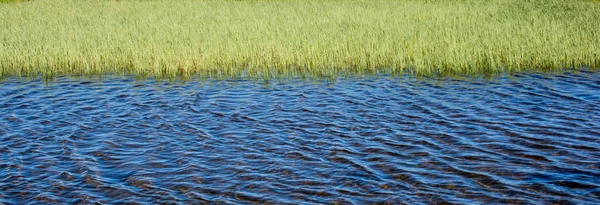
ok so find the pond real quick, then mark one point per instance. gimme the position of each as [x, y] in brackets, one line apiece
[522, 138]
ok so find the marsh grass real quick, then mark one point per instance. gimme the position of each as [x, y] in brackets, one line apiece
[261, 38]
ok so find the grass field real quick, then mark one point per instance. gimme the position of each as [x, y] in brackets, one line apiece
[264, 38]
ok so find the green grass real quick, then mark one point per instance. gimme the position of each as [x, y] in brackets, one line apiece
[9, 1]
[263, 38]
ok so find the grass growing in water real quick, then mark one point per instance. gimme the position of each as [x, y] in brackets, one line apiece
[296, 37]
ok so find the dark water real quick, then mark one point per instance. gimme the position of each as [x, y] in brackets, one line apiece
[528, 139]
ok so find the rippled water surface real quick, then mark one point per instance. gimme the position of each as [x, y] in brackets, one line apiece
[525, 139]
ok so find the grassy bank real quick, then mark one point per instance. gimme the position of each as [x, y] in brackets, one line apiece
[296, 37]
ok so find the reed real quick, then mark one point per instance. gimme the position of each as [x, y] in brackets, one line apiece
[265, 38]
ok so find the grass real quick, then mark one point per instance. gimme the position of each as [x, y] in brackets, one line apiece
[265, 38]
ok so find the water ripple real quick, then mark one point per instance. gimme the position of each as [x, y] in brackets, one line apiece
[523, 139]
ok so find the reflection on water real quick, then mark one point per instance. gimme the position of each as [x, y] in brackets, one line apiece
[524, 139]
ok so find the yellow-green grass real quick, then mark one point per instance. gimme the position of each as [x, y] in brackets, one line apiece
[263, 38]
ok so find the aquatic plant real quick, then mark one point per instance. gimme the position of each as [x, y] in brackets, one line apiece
[296, 37]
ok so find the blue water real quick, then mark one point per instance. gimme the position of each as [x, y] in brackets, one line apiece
[524, 139]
